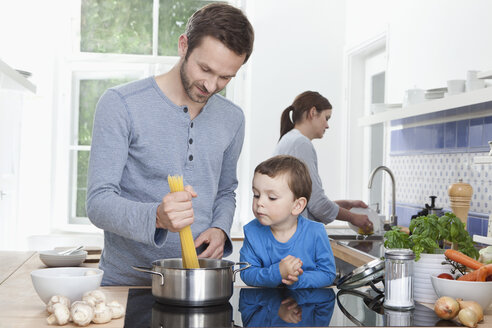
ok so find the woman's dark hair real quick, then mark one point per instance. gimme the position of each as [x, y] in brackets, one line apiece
[223, 22]
[298, 177]
[302, 104]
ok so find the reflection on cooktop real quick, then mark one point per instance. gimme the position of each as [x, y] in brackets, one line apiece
[265, 307]
[278, 307]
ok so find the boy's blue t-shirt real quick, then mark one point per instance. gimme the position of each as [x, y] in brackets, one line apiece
[310, 243]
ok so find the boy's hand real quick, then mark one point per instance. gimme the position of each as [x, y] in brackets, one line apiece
[292, 278]
[289, 311]
[290, 268]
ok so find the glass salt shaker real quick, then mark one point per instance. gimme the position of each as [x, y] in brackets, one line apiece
[398, 279]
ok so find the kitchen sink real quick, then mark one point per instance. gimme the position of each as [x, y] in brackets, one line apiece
[372, 245]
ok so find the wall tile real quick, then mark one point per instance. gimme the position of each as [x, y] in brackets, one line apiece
[462, 133]
[419, 176]
[475, 133]
[450, 135]
[487, 130]
[474, 226]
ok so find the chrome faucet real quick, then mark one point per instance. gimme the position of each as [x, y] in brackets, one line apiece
[393, 218]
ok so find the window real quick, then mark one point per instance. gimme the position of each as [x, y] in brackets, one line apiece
[111, 42]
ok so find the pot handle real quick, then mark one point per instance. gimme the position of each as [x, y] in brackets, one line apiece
[247, 265]
[148, 270]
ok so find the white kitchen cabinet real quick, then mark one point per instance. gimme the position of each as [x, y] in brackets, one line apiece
[13, 89]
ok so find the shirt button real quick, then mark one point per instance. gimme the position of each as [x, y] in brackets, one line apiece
[190, 157]
[191, 124]
[185, 109]
[190, 141]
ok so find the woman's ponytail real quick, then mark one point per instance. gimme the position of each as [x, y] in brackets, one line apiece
[285, 122]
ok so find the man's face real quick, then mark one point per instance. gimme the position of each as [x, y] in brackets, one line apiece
[208, 69]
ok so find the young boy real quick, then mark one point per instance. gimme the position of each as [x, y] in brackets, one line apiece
[282, 246]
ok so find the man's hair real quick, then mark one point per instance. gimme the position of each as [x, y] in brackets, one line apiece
[223, 22]
[298, 177]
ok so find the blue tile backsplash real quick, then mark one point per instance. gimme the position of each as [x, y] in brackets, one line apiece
[427, 159]
[472, 134]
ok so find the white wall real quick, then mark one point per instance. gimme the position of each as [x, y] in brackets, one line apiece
[298, 47]
[430, 42]
[33, 49]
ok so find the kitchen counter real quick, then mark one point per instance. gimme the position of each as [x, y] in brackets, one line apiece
[20, 306]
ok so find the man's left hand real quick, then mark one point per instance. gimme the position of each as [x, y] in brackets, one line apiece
[215, 238]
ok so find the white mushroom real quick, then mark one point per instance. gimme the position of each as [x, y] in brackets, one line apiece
[102, 313]
[94, 297]
[117, 310]
[82, 313]
[60, 315]
[57, 299]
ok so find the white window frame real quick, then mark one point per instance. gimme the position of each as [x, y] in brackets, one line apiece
[75, 66]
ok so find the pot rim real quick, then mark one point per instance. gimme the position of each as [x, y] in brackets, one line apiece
[230, 264]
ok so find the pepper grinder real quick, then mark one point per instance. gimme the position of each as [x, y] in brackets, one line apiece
[459, 198]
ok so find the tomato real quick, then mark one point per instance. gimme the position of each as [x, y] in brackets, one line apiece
[445, 276]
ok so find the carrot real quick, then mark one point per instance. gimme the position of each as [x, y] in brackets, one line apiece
[477, 275]
[489, 269]
[461, 258]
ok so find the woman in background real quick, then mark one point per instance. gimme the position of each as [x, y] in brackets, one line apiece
[310, 113]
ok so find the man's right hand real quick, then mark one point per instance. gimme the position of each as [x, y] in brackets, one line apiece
[176, 211]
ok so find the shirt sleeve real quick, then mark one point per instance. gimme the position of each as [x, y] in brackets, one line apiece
[256, 275]
[106, 208]
[324, 274]
[320, 207]
[225, 201]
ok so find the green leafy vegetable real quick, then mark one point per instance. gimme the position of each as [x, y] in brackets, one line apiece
[428, 234]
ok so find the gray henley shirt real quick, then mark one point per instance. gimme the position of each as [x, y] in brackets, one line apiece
[139, 138]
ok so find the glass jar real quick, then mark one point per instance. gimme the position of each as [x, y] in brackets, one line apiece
[398, 279]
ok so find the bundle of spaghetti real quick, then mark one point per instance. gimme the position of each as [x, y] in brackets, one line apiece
[188, 251]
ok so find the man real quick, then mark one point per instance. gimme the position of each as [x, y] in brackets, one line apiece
[171, 124]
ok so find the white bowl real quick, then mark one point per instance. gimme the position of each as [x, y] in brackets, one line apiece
[53, 259]
[69, 282]
[480, 292]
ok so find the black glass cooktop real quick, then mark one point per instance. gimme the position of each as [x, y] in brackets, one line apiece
[278, 307]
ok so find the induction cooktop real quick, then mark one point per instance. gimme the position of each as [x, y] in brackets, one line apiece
[279, 307]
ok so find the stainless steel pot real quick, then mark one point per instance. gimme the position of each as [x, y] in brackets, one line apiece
[211, 284]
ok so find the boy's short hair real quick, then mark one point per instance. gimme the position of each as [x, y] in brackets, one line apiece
[298, 177]
[223, 22]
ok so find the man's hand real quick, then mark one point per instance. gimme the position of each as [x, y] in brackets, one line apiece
[215, 238]
[176, 211]
[349, 204]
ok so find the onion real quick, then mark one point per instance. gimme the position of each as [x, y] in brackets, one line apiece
[468, 317]
[474, 306]
[446, 307]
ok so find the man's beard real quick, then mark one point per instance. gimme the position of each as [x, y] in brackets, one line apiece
[188, 86]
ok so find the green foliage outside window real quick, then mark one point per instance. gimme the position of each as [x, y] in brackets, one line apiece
[116, 26]
[173, 16]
